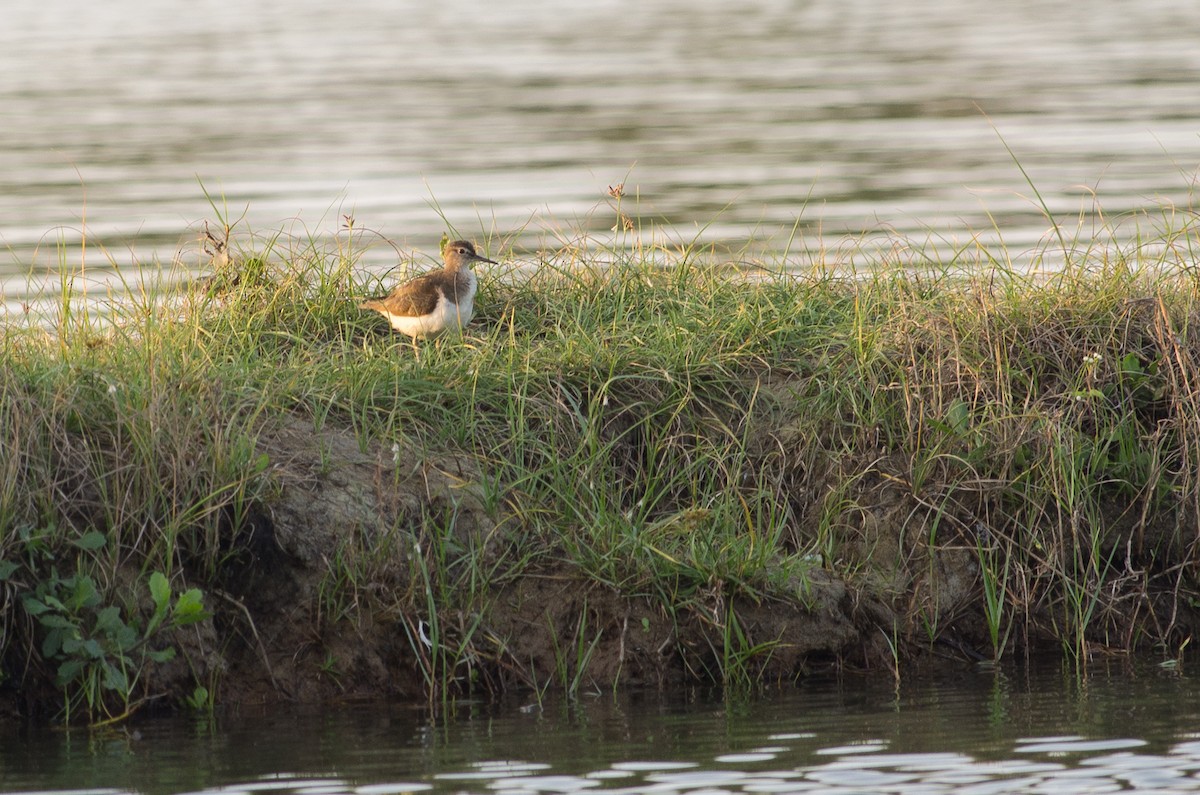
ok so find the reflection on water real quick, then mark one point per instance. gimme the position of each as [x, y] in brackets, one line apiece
[728, 120]
[978, 732]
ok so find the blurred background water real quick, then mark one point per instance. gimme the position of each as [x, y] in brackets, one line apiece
[725, 121]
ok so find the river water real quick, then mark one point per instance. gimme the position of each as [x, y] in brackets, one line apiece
[725, 121]
[975, 732]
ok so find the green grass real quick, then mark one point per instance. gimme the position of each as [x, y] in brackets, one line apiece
[651, 419]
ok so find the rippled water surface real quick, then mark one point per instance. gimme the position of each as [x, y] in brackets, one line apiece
[725, 120]
[977, 732]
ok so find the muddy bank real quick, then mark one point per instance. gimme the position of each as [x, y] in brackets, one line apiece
[296, 627]
[379, 570]
[348, 584]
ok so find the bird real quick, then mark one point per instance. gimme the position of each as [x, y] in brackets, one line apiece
[435, 302]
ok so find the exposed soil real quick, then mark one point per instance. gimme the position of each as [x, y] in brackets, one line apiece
[334, 592]
[286, 640]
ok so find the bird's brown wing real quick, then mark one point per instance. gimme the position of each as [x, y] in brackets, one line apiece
[417, 297]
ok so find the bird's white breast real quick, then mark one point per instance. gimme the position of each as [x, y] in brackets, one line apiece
[446, 316]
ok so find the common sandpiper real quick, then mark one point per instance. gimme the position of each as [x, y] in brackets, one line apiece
[435, 302]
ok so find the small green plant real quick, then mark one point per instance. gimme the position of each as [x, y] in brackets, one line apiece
[995, 565]
[571, 660]
[331, 669]
[201, 700]
[99, 653]
[739, 660]
[445, 649]
[893, 644]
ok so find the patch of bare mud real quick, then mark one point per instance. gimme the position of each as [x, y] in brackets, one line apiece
[323, 599]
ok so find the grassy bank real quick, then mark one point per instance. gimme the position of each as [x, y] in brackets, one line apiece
[641, 464]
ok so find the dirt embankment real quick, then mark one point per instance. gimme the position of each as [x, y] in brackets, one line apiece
[380, 571]
[350, 584]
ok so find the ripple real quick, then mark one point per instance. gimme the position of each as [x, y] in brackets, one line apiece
[281, 781]
[609, 775]
[1074, 746]
[779, 785]
[545, 784]
[1129, 761]
[915, 762]
[861, 779]
[996, 787]
[647, 766]
[509, 766]
[746, 757]
[700, 778]
[497, 769]
[866, 747]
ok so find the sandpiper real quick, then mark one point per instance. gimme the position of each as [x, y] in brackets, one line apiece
[435, 302]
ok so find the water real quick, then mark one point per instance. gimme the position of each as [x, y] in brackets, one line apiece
[725, 121]
[973, 732]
